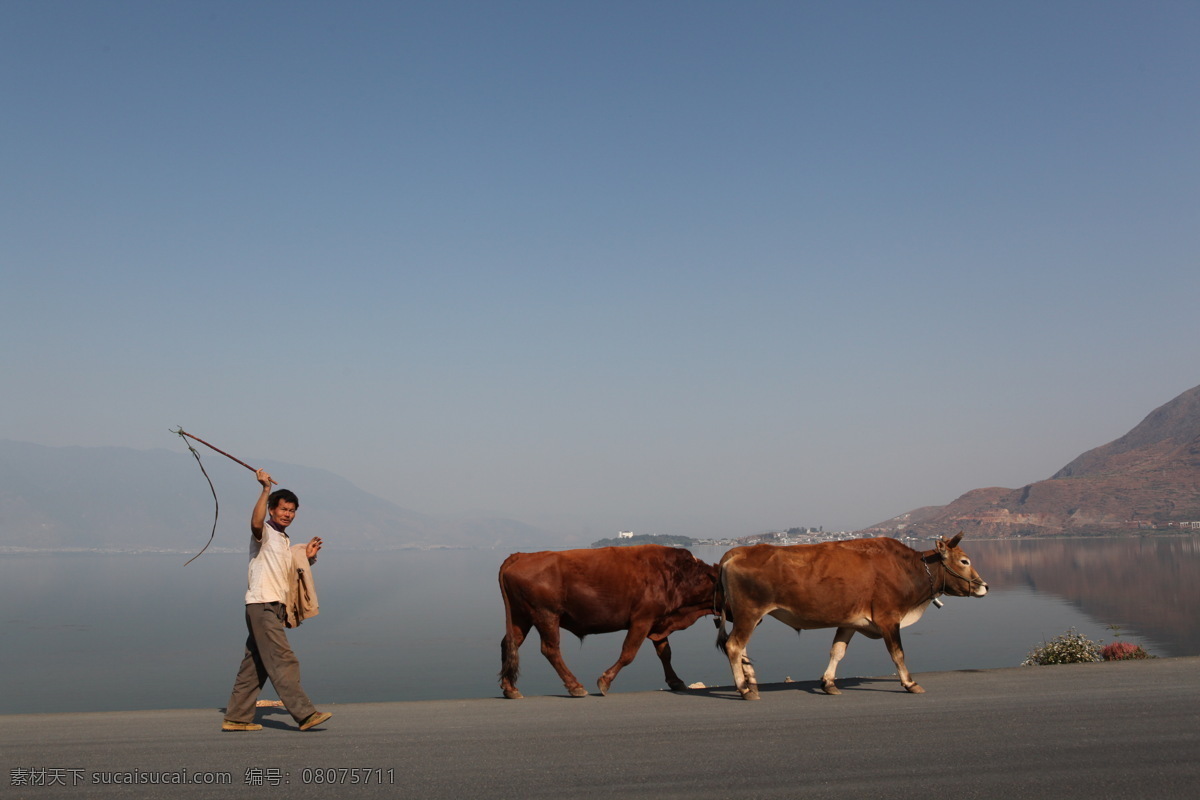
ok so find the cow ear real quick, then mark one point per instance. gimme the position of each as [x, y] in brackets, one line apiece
[942, 548]
[957, 538]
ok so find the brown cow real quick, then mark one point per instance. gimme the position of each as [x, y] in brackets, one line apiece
[649, 590]
[871, 586]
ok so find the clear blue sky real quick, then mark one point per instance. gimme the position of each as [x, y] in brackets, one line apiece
[676, 267]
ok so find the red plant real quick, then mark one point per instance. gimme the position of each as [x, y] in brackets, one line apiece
[1122, 651]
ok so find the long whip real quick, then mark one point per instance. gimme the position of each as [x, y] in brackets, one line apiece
[216, 503]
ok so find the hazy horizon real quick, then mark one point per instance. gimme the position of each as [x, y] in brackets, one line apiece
[677, 268]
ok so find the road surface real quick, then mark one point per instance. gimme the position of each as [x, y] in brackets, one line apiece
[1112, 730]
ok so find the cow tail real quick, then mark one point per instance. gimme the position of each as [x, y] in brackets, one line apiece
[719, 607]
[509, 662]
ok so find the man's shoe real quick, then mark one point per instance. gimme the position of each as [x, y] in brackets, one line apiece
[315, 719]
[240, 726]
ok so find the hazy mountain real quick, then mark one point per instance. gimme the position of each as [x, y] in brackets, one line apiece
[112, 498]
[1150, 477]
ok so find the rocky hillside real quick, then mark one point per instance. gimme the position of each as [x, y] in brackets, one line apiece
[1147, 479]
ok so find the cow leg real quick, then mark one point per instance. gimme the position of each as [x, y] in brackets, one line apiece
[891, 637]
[509, 660]
[735, 648]
[663, 649]
[548, 630]
[629, 648]
[840, 640]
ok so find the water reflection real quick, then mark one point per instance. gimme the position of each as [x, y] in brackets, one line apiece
[1148, 586]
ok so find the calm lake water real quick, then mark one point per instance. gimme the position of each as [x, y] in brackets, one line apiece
[123, 632]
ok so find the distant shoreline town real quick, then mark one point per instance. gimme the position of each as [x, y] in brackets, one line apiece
[788, 537]
[817, 535]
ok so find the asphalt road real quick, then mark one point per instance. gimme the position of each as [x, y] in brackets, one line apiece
[1112, 730]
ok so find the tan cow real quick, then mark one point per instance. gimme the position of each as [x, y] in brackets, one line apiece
[870, 586]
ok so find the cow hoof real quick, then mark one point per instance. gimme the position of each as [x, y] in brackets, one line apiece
[830, 688]
[750, 694]
[513, 694]
[578, 691]
[603, 685]
[915, 689]
[676, 686]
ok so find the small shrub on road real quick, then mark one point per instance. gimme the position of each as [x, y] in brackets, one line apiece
[1071, 647]
[1123, 651]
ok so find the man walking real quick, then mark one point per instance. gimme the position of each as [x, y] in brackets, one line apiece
[268, 654]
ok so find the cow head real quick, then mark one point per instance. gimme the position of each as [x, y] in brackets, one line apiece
[694, 580]
[960, 578]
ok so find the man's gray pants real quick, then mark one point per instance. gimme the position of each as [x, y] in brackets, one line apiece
[268, 656]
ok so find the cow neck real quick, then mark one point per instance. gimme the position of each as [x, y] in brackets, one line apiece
[934, 592]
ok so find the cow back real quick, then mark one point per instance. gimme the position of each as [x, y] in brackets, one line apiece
[601, 590]
[826, 584]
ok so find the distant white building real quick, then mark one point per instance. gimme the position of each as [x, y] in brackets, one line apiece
[625, 534]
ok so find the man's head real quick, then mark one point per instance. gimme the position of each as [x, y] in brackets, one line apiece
[282, 505]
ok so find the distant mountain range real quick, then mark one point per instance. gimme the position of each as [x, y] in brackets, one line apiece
[1147, 479]
[116, 499]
